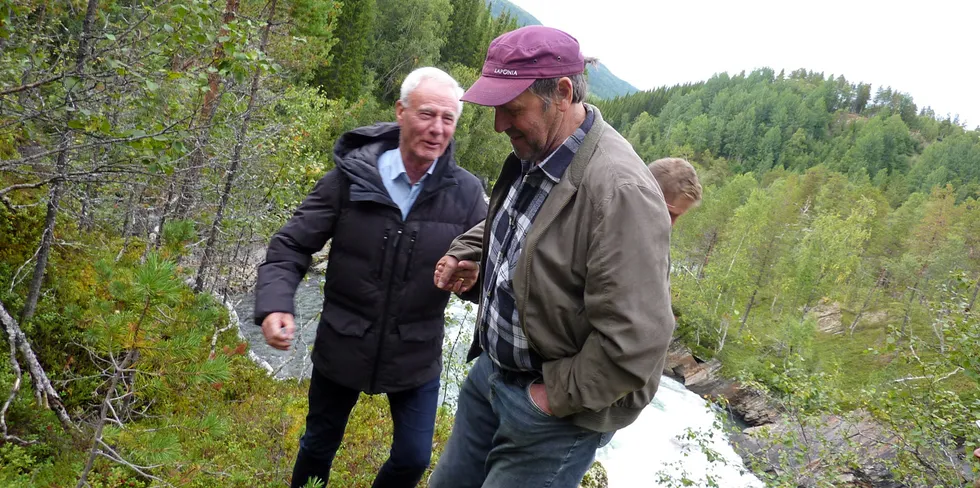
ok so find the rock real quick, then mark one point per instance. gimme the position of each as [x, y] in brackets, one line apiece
[319, 264]
[679, 356]
[854, 435]
[877, 317]
[595, 477]
[704, 378]
[828, 317]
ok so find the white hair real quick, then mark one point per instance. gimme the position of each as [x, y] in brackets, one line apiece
[415, 78]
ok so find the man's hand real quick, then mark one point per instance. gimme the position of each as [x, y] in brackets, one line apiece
[278, 329]
[454, 275]
[539, 395]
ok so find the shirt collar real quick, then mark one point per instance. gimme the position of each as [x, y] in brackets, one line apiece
[396, 167]
[555, 164]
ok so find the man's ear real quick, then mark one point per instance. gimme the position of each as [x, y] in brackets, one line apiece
[399, 111]
[565, 93]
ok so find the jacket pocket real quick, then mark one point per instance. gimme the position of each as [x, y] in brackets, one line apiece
[345, 322]
[421, 331]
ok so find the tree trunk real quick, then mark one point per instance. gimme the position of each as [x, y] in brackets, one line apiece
[57, 186]
[44, 392]
[908, 308]
[976, 291]
[236, 159]
[867, 300]
[198, 157]
[748, 308]
[707, 254]
[47, 236]
[758, 284]
[85, 219]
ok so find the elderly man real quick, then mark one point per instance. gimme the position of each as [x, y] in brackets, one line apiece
[679, 183]
[392, 206]
[575, 316]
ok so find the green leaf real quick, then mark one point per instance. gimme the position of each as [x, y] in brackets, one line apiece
[111, 37]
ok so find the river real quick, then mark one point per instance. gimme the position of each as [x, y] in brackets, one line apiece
[662, 448]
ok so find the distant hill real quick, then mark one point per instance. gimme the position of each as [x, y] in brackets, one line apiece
[602, 82]
[523, 17]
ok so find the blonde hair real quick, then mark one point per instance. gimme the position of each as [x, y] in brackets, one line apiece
[676, 177]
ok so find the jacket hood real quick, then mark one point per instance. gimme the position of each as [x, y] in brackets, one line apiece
[356, 153]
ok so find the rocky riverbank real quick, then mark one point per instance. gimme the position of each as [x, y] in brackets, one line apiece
[855, 435]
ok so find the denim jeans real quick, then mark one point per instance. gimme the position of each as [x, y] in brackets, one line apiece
[501, 439]
[412, 411]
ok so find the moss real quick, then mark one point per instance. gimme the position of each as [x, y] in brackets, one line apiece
[595, 477]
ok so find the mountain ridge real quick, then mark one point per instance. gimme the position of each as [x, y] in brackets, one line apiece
[602, 82]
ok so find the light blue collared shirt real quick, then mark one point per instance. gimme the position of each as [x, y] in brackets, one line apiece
[395, 179]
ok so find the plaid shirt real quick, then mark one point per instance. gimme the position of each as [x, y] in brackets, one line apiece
[501, 334]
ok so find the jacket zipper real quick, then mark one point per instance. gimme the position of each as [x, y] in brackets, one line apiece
[384, 312]
[408, 263]
[384, 247]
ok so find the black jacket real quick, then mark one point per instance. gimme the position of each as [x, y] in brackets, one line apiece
[382, 324]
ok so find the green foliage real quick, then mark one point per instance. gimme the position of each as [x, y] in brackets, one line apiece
[346, 75]
[760, 121]
[465, 38]
[408, 34]
[816, 192]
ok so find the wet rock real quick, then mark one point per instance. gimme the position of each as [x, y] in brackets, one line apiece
[704, 378]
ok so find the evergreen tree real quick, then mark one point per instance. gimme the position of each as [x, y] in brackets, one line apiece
[465, 36]
[346, 75]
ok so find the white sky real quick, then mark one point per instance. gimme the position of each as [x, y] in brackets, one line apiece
[930, 50]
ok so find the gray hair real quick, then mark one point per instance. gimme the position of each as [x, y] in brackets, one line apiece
[547, 88]
[415, 78]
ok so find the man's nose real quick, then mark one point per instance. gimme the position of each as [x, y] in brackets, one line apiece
[436, 127]
[500, 121]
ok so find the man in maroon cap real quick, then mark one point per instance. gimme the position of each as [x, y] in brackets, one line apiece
[575, 317]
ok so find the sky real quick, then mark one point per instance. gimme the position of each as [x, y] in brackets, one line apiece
[930, 50]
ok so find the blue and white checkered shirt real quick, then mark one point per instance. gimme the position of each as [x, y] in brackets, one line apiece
[501, 334]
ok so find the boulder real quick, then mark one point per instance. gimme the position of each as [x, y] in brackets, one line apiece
[704, 378]
[828, 317]
[855, 435]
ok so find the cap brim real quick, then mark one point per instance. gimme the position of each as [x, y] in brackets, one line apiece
[494, 92]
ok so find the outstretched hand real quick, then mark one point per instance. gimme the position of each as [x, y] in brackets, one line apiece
[456, 276]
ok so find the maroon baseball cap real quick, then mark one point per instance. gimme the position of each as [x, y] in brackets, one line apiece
[517, 58]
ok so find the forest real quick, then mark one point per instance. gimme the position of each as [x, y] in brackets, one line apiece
[148, 149]
[822, 200]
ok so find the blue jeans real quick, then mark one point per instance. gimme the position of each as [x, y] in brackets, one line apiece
[501, 439]
[412, 411]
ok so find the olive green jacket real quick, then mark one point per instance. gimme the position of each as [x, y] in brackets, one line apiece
[592, 283]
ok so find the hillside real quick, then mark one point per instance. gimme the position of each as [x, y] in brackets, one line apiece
[148, 151]
[602, 82]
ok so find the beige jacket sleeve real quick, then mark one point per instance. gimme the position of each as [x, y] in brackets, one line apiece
[469, 245]
[627, 302]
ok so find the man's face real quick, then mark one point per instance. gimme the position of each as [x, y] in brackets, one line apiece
[678, 206]
[427, 121]
[532, 129]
